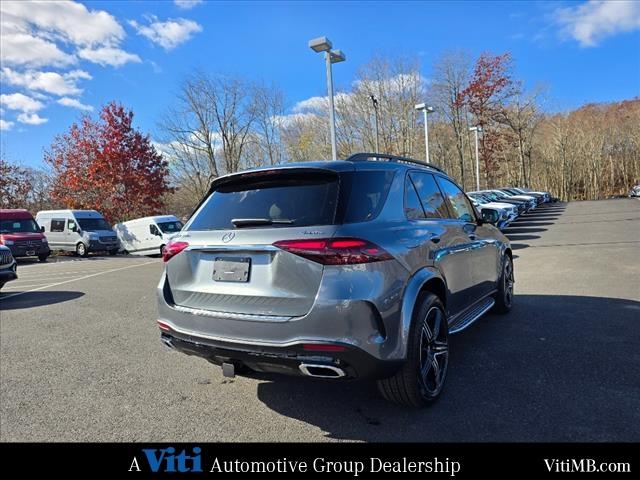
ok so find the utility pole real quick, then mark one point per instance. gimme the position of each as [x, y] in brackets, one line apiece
[374, 101]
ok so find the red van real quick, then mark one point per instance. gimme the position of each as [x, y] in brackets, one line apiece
[20, 232]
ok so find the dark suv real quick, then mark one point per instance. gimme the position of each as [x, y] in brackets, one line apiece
[340, 270]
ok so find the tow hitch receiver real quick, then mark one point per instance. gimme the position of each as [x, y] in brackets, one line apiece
[228, 370]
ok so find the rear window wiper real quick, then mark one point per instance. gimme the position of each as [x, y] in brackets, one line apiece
[248, 222]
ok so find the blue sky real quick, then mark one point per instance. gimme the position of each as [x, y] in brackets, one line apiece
[62, 59]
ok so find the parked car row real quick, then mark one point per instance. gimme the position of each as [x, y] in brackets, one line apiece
[508, 203]
[82, 232]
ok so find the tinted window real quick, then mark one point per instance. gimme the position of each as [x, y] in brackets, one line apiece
[153, 230]
[367, 192]
[18, 225]
[432, 200]
[93, 224]
[57, 225]
[412, 206]
[461, 209]
[170, 227]
[297, 199]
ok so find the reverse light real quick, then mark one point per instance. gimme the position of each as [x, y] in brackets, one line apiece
[335, 251]
[171, 249]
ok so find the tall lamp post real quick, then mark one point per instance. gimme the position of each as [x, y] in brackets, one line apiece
[323, 44]
[477, 129]
[374, 101]
[425, 111]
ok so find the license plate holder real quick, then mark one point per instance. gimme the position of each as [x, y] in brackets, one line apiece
[231, 269]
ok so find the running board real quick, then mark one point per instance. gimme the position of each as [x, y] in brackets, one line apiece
[474, 313]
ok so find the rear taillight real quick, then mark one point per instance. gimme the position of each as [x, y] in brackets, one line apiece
[171, 249]
[335, 251]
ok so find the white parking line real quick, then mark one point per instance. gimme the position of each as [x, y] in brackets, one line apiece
[79, 278]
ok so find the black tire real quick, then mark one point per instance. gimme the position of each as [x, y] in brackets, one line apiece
[419, 383]
[81, 250]
[504, 295]
[161, 250]
[43, 258]
[113, 252]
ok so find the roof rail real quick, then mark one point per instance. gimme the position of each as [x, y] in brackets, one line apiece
[377, 157]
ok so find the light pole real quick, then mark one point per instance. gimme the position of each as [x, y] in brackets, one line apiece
[323, 44]
[477, 129]
[374, 100]
[425, 111]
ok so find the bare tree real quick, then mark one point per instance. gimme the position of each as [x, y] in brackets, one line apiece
[450, 77]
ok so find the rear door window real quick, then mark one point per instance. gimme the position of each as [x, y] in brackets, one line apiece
[433, 202]
[461, 208]
[286, 199]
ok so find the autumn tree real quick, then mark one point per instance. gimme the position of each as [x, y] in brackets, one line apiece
[15, 185]
[108, 165]
[489, 89]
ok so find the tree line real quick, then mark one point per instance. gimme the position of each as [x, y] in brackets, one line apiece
[219, 124]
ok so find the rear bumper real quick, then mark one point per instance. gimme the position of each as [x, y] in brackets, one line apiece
[354, 362]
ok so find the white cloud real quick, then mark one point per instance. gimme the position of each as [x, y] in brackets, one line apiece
[112, 56]
[5, 124]
[167, 34]
[74, 103]
[20, 102]
[31, 119]
[186, 4]
[595, 20]
[50, 82]
[69, 21]
[26, 49]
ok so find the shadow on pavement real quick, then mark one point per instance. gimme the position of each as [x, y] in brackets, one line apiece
[557, 368]
[35, 299]
[515, 237]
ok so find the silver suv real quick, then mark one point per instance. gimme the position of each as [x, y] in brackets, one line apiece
[339, 270]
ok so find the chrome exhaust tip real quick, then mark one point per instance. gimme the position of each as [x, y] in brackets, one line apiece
[321, 371]
[167, 342]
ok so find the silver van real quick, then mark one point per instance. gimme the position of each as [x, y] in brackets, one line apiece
[79, 231]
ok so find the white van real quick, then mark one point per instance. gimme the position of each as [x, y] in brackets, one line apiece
[147, 235]
[80, 231]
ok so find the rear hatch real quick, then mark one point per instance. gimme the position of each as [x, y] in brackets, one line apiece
[231, 264]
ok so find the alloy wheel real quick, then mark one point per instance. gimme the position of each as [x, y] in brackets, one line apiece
[434, 352]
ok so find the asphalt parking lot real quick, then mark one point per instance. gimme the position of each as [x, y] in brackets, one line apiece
[81, 359]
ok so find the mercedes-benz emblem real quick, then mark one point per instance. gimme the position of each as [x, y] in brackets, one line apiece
[227, 237]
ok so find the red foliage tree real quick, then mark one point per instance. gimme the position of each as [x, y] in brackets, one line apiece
[485, 96]
[15, 185]
[108, 165]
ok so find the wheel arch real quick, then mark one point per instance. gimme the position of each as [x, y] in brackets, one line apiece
[427, 279]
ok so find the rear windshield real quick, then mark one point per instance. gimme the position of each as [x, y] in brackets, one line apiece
[296, 200]
[18, 225]
[288, 200]
[170, 227]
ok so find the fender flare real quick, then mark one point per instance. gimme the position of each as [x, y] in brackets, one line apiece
[409, 299]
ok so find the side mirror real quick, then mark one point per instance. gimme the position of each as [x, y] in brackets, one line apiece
[490, 216]
[42, 229]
